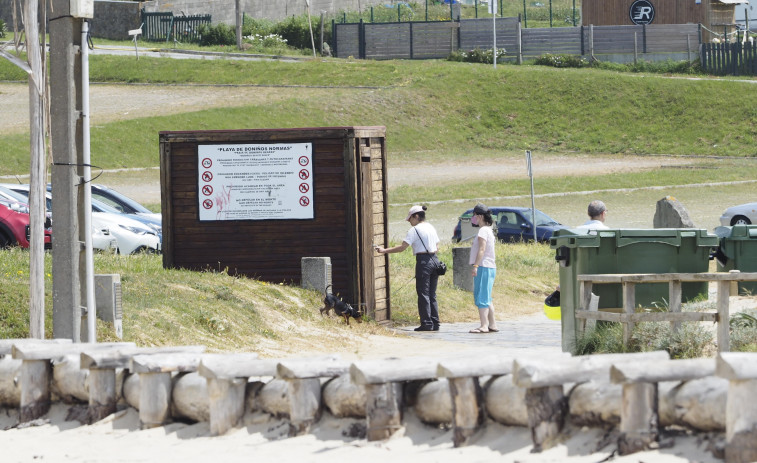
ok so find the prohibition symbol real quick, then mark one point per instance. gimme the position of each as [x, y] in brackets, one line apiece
[304, 174]
[207, 176]
[206, 163]
[304, 201]
[304, 160]
[207, 204]
[304, 187]
[207, 190]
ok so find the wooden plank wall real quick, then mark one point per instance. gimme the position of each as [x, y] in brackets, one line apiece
[269, 250]
[477, 33]
[380, 229]
[388, 41]
[557, 41]
[347, 41]
[385, 42]
[616, 12]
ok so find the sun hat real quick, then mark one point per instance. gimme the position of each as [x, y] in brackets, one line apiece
[414, 210]
[480, 209]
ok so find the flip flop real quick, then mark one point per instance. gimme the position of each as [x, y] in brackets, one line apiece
[493, 330]
[477, 330]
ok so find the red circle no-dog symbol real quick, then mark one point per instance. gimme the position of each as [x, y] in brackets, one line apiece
[206, 163]
[304, 174]
[207, 204]
[304, 201]
[207, 176]
[207, 190]
[304, 188]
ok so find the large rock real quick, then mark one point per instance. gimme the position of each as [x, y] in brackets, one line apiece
[670, 213]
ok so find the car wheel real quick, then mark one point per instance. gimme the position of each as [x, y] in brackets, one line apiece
[740, 220]
[6, 241]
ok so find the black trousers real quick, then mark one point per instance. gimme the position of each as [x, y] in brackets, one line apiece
[426, 280]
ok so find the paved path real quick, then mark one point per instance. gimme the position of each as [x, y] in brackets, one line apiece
[534, 332]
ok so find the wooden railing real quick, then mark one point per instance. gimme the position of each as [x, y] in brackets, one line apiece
[629, 317]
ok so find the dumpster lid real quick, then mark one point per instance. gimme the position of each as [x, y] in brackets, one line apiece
[737, 232]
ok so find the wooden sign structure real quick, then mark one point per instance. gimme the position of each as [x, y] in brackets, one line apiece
[255, 202]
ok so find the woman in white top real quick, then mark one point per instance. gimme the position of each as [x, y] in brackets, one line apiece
[424, 240]
[484, 268]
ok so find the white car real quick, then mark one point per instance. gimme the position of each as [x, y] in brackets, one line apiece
[743, 214]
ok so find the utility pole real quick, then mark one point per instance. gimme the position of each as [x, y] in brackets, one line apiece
[66, 137]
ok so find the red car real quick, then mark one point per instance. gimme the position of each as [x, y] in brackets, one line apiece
[14, 225]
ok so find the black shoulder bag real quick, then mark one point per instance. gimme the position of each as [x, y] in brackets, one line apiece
[439, 267]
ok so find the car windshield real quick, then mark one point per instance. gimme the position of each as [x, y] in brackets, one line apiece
[118, 201]
[542, 219]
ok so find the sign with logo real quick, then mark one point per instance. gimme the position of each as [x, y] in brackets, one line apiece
[255, 181]
[641, 12]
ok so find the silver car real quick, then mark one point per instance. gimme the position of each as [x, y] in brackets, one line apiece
[743, 214]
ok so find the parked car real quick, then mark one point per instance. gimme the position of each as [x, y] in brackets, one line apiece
[131, 235]
[743, 214]
[106, 199]
[14, 225]
[121, 202]
[511, 224]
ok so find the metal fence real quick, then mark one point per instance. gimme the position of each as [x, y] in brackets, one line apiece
[164, 27]
[729, 58]
[423, 40]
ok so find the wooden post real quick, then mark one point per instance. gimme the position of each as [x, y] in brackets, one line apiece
[383, 410]
[35, 389]
[740, 369]
[154, 399]
[227, 377]
[547, 409]
[305, 398]
[635, 48]
[468, 412]
[639, 414]
[724, 293]
[674, 305]
[305, 402]
[102, 394]
[629, 305]
[519, 36]
[639, 420]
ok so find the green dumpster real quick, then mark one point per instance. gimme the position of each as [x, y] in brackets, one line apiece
[663, 250]
[738, 251]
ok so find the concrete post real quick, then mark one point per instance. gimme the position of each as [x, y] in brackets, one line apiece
[316, 273]
[461, 275]
[65, 135]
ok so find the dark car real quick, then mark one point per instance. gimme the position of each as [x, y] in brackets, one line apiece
[511, 224]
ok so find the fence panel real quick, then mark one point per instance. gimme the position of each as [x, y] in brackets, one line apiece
[615, 39]
[477, 33]
[388, 41]
[671, 38]
[157, 26]
[185, 28]
[347, 38]
[729, 58]
[557, 41]
[434, 39]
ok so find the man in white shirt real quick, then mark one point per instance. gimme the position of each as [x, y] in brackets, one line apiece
[597, 215]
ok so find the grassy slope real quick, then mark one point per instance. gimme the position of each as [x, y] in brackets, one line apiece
[443, 106]
[433, 111]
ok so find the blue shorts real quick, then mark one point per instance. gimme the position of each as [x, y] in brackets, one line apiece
[483, 283]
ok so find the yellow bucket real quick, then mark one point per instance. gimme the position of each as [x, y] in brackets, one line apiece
[553, 313]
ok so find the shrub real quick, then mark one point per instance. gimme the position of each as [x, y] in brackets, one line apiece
[3, 28]
[477, 56]
[562, 61]
[253, 26]
[220, 34]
